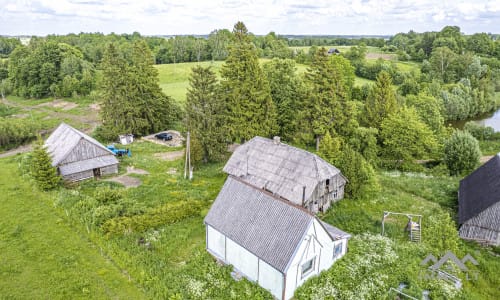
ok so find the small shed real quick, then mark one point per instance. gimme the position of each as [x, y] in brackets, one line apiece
[479, 204]
[269, 240]
[77, 156]
[290, 173]
[333, 51]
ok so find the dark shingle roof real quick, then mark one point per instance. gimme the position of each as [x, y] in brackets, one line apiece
[280, 168]
[268, 227]
[479, 190]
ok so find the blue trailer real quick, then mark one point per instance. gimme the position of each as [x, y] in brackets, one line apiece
[119, 152]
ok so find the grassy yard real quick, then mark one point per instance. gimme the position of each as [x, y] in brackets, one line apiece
[175, 263]
[43, 256]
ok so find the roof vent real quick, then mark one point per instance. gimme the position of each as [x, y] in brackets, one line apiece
[276, 140]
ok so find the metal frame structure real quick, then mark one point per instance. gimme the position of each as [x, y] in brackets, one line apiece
[415, 234]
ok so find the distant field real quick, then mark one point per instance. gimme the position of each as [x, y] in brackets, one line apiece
[174, 78]
[44, 257]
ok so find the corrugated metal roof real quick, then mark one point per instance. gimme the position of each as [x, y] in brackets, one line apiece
[279, 168]
[88, 164]
[64, 139]
[479, 190]
[334, 232]
[268, 227]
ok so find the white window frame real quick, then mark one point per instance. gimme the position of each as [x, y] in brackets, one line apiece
[337, 246]
[310, 270]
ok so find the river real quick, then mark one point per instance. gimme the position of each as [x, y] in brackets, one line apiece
[491, 119]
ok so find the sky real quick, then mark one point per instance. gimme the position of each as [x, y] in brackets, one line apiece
[328, 17]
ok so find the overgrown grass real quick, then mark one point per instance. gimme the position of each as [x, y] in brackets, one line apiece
[416, 193]
[43, 256]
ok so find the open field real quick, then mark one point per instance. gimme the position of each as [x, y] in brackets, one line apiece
[174, 78]
[43, 256]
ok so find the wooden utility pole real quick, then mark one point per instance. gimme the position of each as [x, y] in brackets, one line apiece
[187, 165]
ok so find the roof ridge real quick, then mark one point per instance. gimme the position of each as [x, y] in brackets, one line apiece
[283, 200]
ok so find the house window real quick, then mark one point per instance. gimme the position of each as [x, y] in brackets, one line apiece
[308, 267]
[328, 184]
[335, 194]
[337, 251]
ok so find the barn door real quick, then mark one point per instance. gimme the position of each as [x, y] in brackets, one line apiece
[97, 172]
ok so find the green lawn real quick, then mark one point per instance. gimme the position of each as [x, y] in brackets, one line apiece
[43, 256]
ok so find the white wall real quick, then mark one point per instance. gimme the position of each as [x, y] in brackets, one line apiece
[216, 242]
[316, 243]
[245, 262]
[270, 279]
[242, 259]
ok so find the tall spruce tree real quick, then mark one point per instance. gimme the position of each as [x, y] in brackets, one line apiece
[381, 101]
[203, 113]
[132, 100]
[330, 81]
[42, 170]
[287, 92]
[249, 109]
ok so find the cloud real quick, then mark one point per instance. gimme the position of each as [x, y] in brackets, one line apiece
[260, 16]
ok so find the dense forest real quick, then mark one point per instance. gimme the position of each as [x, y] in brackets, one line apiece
[396, 120]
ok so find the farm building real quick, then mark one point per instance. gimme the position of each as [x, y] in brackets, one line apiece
[333, 51]
[479, 204]
[287, 172]
[77, 156]
[269, 240]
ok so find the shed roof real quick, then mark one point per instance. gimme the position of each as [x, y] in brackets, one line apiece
[280, 168]
[266, 226]
[64, 139]
[479, 190]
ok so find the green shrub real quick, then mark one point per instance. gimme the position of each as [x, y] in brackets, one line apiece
[480, 132]
[166, 214]
[461, 153]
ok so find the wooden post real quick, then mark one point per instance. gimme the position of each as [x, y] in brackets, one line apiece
[188, 169]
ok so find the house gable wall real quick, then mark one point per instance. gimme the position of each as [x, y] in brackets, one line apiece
[84, 150]
[318, 245]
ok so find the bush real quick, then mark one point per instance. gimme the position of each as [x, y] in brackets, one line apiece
[15, 132]
[478, 131]
[461, 153]
[166, 214]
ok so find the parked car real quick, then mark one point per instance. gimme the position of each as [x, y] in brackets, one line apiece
[164, 136]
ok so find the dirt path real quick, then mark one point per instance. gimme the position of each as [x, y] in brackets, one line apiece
[169, 156]
[20, 149]
[129, 181]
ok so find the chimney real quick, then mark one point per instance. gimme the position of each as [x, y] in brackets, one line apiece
[276, 140]
[303, 195]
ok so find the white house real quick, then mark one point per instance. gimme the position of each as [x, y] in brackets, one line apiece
[269, 240]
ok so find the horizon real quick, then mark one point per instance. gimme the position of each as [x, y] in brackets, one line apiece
[292, 17]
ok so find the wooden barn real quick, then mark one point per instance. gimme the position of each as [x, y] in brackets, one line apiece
[269, 240]
[77, 156]
[287, 172]
[479, 204]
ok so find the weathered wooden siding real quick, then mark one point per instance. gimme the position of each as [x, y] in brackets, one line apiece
[79, 176]
[485, 227]
[324, 194]
[113, 169]
[84, 150]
